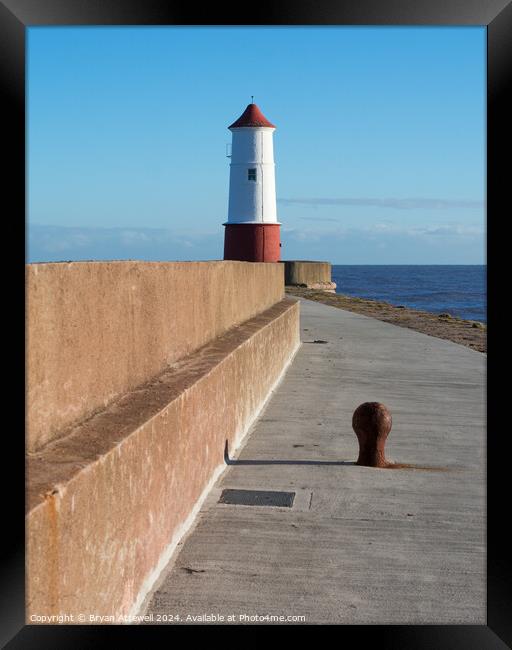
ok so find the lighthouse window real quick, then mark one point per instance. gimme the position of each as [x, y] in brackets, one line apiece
[251, 174]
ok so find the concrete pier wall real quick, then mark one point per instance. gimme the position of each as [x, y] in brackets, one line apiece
[98, 329]
[313, 275]
[108, 502]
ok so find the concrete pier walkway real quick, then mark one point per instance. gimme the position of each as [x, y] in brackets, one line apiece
[359, 545]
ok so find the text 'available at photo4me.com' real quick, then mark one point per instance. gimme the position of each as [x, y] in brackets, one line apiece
[97, 619]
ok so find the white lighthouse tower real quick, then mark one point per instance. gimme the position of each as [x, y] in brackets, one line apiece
[252, 228]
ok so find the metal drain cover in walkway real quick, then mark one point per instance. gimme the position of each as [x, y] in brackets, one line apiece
[257, 498]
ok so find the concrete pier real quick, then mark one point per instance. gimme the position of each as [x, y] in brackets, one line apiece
[137, 374]
[359, 545]
[312, 275]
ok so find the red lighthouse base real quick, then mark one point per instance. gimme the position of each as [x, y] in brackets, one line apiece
[252, 242]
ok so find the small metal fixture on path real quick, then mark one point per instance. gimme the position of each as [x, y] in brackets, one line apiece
[372, 423]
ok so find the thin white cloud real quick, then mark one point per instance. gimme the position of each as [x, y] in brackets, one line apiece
[130, 237]
[386, 229]
[52, 242]
[315, 218]
[398, 204]
[69, 240]
[452, 229]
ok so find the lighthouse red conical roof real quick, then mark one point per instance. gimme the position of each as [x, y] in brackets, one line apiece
[252, 116]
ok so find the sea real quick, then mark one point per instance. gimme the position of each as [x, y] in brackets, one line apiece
[458, 290]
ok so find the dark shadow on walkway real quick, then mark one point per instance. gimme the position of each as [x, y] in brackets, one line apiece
[229, 461]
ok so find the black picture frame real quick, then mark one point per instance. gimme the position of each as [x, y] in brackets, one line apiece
[496, 15]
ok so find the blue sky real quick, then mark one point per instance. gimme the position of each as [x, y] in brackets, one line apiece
[379, 147]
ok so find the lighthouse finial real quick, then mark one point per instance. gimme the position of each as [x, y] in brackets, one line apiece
[252, 99]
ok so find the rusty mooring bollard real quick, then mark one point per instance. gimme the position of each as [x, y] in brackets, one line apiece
[372, 423]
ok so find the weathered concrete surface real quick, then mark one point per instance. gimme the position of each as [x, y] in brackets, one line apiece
[360, 545]
[313, 275]
[98, 329]
[107, 502]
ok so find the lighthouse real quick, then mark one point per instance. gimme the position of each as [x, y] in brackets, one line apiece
[252, 228]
